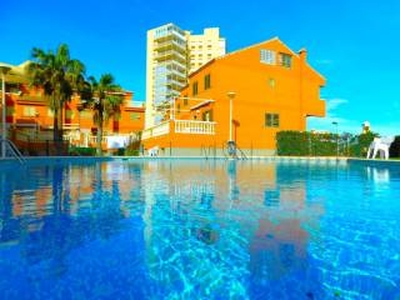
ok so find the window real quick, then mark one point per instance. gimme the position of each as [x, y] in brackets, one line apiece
[178, 108]
[10, 111]
[208, 116]
[285, 60]
[135, 116]
[268, 57]
[29, 111]
[271, 82]
[69, 114]
[207, 81]
[271, 120]
[185, 100]
[195, 88]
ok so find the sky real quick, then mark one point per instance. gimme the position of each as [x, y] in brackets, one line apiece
[353, 44]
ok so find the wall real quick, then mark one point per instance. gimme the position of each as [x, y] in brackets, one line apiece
[293, 93]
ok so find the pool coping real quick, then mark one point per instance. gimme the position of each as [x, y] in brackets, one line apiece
[302, 159]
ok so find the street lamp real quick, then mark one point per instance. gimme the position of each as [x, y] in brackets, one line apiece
[231, 143]
[4, 70]
[231, 95]
[337, 138]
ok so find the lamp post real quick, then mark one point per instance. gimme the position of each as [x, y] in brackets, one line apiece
[231, 95]
[337, 138]
[231, 143]
[4, 70]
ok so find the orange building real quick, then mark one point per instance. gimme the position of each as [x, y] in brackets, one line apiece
[29, 118]
[268, 88]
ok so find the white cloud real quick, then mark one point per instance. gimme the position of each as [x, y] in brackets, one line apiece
[326, 124]
[334, 103]
[324, 62]
[382, 125]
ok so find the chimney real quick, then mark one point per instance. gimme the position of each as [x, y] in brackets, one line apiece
[303, 54]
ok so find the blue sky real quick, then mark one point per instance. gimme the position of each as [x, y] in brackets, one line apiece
[354, 44]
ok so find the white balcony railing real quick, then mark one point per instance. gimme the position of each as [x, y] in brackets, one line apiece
[160, 129]
[181, 126]
[194, 127]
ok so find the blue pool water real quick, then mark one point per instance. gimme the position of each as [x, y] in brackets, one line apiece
[200, 230]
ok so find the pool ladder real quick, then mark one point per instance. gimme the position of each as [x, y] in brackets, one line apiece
[232, 151]
[12, 150]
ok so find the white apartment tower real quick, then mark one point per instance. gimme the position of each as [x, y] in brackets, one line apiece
[172, 54]
[204, 47]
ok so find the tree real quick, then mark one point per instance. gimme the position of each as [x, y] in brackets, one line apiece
[104, 97]
[60, 77]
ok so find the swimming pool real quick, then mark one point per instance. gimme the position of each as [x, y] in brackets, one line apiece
[195, 229]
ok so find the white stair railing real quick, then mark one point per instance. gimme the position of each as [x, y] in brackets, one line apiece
[11, 149]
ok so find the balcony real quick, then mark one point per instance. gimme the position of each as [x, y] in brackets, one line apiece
[194, 127]
[170, 45]
[170, 55]
[181, 127]
[169, 35]
[158, 130]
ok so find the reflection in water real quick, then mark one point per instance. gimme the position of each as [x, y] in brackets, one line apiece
[207, 234]
[182, 230]
[379, 175]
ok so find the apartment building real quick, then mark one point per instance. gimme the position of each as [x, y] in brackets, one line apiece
[29, 118]
[172, 53]
[246, 96]
[204, 47]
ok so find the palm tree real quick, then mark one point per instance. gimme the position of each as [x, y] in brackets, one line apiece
[105, 101]
[60, 77]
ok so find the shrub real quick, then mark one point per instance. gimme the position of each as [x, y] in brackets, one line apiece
[359, 147]
[296, 143]
[394, 150]
[81, 151]
[292, 143]
[131, 152]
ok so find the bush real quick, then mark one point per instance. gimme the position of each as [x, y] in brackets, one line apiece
[81, 151]
[296, 143]
[131, 152]
[292, 143]
[133, 149]
[359, 147]
[394, 150]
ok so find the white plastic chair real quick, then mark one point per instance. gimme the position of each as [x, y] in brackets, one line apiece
[378, 145]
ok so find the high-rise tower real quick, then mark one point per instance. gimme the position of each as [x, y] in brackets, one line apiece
[171, 54]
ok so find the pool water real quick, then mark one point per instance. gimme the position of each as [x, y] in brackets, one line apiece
[195, 229]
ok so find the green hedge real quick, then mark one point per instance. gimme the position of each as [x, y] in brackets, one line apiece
[81, 151]
[131, 152]
[296, 143]
[394, 150]
[359, 146]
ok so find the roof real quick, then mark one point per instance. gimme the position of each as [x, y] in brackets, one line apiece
[206, 102]
[15, 73]
[276, 38]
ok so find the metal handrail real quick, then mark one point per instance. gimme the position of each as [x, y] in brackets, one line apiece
[235, 152]
[13, 150]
